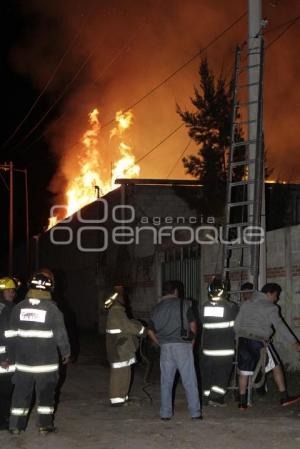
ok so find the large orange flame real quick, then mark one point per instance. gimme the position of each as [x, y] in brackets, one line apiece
[81, 189]
[124, 121]
[124, 167]
[89, 179]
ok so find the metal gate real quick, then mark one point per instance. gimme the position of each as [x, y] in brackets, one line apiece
[184, 264]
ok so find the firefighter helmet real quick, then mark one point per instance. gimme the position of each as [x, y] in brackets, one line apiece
[216, 290]
[17, 282]
[46, 272]
[40, 281]
[7, 283]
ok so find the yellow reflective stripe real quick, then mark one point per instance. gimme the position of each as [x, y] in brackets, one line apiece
[10, 333]
[31, 333]
[36, 369]
[2, 349]
[35, 333]
[19, 411]
[122, 364]
[217, 389]
[142, 330]
[45, 410]
[117, 400]
[223, 325]
[113, 331]
[206, 392]
[218, 352]
[34, 302]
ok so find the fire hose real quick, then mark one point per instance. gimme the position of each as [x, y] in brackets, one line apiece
[260, 368]
[147, 384]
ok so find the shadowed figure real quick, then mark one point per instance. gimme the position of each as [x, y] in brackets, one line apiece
[71, 327]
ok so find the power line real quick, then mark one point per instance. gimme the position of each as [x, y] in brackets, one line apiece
[111, 62]
[166, 80]
[150, 92]
[51, 78]
[289, 24]
[59, 98]
[158, 144]
[180, 157]
[66, 89]
[292, 22]
[176, 129]
[276, 27]
[4, 182]
[182, 66]
[116, 57]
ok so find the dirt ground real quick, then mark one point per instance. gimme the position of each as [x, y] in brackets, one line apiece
[85, 420]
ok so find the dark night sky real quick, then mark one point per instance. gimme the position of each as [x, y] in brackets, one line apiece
[18, 92]
[128, 47]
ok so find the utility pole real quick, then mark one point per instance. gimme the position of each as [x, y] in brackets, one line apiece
[24, 172]
[255, 148]
[10, 167]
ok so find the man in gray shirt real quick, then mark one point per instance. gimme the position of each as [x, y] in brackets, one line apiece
[254, 326]
[168, 319]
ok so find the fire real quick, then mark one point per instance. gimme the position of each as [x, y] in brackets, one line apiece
[124, 121]
[125, 167]
[92, 176]
[273, 181]
[52, 221]
[81, 189]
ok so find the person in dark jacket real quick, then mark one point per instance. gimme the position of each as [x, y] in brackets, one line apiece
[218, 344]
[121, 344]
[37, 332]
[7, 295]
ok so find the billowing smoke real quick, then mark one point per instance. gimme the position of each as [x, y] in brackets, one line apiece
[116, 51]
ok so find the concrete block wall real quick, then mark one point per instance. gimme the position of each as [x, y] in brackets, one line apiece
[283, 267]
[152, 202]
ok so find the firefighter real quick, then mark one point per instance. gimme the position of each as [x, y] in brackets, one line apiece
[7, 295]
[36, 333]
[121, 345]
[218, 345]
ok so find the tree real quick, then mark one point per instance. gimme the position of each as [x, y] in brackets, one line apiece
[210, 127]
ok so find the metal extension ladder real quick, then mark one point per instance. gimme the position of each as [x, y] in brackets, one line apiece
[244, 184]
[244, 190]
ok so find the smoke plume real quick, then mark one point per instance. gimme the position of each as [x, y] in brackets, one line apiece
[118, 50]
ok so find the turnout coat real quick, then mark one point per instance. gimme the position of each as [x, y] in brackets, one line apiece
[121, 336]
[37, 331]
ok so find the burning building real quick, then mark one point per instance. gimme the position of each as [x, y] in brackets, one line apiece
[124, 237]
